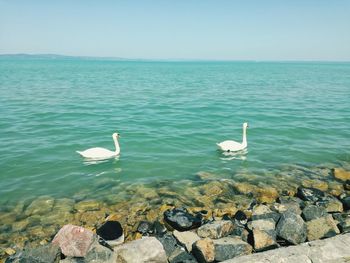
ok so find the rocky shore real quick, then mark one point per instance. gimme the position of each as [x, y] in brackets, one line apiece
[223, 219]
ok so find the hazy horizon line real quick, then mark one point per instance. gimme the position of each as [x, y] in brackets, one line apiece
[88, 57]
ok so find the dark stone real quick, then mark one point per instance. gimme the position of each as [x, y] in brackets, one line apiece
[44, 254]
[330, 203]
[346, 202]
[181, 256]
[227, 248]
[159, 229]
[110, 230]
[310, 194]
[145, 228]
[169, 243]
[311, 212]
[292, 228]
[347, 185]
[241, 218]
[181, 220]
[343, 221]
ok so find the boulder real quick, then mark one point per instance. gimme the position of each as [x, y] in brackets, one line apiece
[331, 204]
[343, 221]
[181, 256]
[311, 212]
[230, 247]
[147, 249]
[292, 228]
[74, 241]
[321, 228]
[204, 250]
[264, 212]
[341, 174]
[264, 240]
[216, 229]
[346, 202]
[310, 194]
[263, 224]
[281, 208]
[181, 220]
[186, 238]
[169, 243]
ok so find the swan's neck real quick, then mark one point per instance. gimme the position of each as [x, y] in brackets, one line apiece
[116, 143]
[244, 140]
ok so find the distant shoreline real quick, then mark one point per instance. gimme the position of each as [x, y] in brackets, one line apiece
[23, 56]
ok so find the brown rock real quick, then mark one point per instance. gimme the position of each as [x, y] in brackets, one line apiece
[266, 195]
[321, 227]
[264, 240]
[341, 174]
[204, 251]
[216, 229]
[318, 184]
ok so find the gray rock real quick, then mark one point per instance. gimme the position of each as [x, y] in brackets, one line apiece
[147, 249]
[99, 254]
[169, 243]
[186, 238]
[311, 212]
[343, 221]
[181, 256]
[292, 206]
[180, 219]
[321, 228]
[291, 200]
[292, 228]
[310, 194]
[263, 224]
[215, 229]
[227, 247]
[264, 212]
[44, 254]
[346, 202]
[330, 250]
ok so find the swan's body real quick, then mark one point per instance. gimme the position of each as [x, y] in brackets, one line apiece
[98, 153]
[232, 146]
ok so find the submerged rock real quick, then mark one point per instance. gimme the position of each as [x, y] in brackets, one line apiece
[181, 220]
[321, 228]
[311, 212]
[292, 228]
[145, 228]
[216, 229]
[310, 194]
[230, 247]
[40, 206]
[204, 250]
[87, 205]
[341, 174]
[74, 241]
[147, 249]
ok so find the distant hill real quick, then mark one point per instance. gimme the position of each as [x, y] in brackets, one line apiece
[61, 57]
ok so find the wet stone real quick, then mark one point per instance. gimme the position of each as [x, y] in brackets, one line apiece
[87, 205]
[321, 228]
[346, 202]
[311, 212]
[331, 204]
[240, 218]
[181, 220]
[343, 220]
[228, 247]
[291, 200]
[310, 194]
[159, 229]
[40, 206]
[43, 254]
[292, 228]
[145, 228]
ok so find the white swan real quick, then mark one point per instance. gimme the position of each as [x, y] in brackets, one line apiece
[99, 153]
[232, 146]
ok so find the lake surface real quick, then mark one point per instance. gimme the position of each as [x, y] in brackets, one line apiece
[169, 115]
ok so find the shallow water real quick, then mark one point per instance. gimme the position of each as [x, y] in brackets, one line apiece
[170, 115]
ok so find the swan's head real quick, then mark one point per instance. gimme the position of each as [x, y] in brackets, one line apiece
[115, 135]
[245, 125]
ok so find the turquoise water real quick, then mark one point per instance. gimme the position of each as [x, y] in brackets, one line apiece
[170, 115]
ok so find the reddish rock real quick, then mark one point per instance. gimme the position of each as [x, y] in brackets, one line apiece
[74, 241]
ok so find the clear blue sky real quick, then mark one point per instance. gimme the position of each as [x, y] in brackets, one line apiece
[179, 29]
